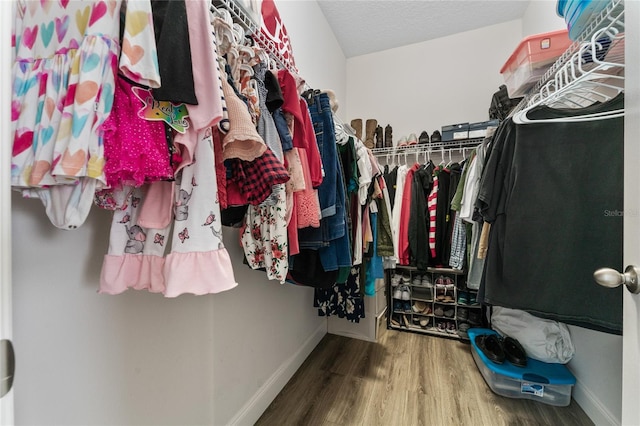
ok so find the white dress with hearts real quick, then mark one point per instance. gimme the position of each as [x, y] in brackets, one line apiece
[66, 56]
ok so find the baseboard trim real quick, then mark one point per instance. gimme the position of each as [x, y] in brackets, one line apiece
[258, 403]
[592, 406]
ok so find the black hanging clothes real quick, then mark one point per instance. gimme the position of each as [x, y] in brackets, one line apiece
[554, 194]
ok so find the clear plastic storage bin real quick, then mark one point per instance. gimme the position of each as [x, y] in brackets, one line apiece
[538, 381]
[531, 59]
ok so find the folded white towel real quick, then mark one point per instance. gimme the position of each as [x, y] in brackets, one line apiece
[542, 339]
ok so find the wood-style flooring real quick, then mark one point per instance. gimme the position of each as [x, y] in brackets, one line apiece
[403, 379]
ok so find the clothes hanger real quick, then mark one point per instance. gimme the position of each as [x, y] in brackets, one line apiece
[577, 77]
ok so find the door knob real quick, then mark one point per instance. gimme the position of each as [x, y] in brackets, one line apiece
[611, 278]
[7, 366]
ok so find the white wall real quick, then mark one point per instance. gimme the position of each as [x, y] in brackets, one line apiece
[426, 85]
[541, 17]
[599, 387]
[137, 358]
[449, 80]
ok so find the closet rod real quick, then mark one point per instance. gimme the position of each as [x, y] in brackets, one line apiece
[253, 29]
[426, 148]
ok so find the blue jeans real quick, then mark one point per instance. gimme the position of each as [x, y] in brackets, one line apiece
[283, 130]
[322, 118]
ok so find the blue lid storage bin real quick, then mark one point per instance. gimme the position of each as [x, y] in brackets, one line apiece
[538, 381]
[578, 13]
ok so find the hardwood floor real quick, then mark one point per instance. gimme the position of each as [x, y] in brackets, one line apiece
[403, 379]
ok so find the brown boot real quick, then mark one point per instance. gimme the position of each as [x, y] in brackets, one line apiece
[379, 137]
[370, 129]
[388, 136]
[356, 123]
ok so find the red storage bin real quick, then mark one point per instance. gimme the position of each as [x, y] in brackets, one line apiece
[531, 59]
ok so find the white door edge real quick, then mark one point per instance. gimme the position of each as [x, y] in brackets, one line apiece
[631, 313]
[6, 326]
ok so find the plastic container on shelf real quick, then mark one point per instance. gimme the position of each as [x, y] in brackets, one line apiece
[531, 59]
[539, 381]
[577, 13]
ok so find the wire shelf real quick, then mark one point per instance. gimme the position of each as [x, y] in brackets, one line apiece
[253, 29]
[611, 16]
[428, 148]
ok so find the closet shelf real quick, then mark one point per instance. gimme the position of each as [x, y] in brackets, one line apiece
[253, 29]
[612, 15]
[430, 147]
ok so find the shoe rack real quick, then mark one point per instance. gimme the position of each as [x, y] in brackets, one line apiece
[435, 302]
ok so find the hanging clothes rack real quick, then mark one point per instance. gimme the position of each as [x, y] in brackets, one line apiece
[575, 76]
[427, 149]
[253, 29]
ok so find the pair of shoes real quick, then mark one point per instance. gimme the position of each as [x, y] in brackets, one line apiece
[475, 317]
[379, 137]
[445, 282]
[412, 139]
[448, 283]
[388, 136]
[395, 280]
[394, 321]
[463, 314]
[419, 306]
[491, 347]
[514, 352]
[397, 293]
[424, 137]
[370, 133]
[356, 124]
[405, 296]
[463, 327]
[498, 349]
[445, 298]
[426, 281]
[406, 293]
[405, 321]
[436, 137]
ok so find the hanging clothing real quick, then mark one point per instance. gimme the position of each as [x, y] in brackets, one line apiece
[542, 253]
[64, 83]
[397, 208]
[135, 257]
[264, 237]
[136, 150]
[418, 232]
[344, 301]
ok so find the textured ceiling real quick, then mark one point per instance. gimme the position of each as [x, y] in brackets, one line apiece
[363, 27]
